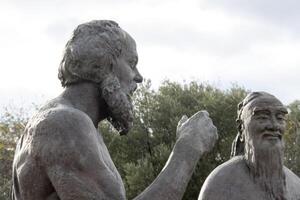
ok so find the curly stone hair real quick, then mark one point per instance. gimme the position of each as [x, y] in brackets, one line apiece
[91, 52]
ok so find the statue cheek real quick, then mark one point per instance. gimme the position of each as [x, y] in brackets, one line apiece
[282, 128]
[255, 130]
[254, 125]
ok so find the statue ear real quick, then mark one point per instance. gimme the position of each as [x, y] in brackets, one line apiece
[242, 137]
[242, 131]
[242, 126]
[239, 125]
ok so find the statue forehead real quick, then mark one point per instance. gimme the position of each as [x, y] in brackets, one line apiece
[129, 45]
[264, 102]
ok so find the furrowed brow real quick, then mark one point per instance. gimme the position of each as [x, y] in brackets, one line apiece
[282, 110]
[257, 111]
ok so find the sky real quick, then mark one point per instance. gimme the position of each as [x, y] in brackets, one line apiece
[254, 44]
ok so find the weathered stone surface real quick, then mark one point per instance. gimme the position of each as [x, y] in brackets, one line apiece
[256, 171]
[61, 154]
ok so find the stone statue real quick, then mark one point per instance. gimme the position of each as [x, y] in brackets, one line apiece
[61, 155]
[256, 171]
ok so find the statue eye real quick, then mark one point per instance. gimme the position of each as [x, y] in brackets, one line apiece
[262, 117]
[281, 117]
[132, 63]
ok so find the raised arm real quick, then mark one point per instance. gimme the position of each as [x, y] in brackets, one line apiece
[196, 136]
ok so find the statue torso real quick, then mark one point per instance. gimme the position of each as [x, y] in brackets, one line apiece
[30, 180]
[232, 181]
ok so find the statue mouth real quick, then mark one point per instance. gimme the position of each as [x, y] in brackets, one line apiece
[133, 89]
[131, 92]
[272, 136]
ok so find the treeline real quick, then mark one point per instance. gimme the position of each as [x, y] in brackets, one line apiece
[141, 154]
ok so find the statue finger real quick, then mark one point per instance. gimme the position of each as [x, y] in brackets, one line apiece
[183, 119]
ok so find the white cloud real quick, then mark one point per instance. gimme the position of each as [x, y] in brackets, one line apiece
[254, 43]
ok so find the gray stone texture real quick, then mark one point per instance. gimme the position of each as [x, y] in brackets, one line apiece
[61, 154]
[256, 171]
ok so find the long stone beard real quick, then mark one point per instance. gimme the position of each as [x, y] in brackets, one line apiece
[120, 109]
[266, 167]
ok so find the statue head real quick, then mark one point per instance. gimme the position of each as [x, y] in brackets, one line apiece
[101, 52]
[261, 124]
[260, 117]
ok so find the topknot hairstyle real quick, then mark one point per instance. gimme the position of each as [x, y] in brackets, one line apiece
[238, 143]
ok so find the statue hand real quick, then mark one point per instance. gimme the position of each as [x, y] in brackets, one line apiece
[197, 132]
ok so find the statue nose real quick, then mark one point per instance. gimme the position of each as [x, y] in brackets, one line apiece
[138, 78]
[274, 125]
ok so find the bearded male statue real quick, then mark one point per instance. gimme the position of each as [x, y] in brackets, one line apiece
[62, 156]
[256, 171]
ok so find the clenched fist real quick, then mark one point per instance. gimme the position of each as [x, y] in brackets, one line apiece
[197, 132]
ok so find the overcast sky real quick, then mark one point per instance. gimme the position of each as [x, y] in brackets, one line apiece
[252, 43]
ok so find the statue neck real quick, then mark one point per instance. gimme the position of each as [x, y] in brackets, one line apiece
[86, 97]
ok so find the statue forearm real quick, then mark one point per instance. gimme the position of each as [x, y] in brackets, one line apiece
[173, 179]
[196, 136]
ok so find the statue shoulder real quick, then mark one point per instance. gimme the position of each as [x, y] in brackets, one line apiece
[293, 184]
[224, 172]
[59, 130]
[225, 180]
[60, 119]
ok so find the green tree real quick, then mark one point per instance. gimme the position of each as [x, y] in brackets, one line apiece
[150, 142]
[11, 127]
[141, 154]
[148, 145]
[292, 138]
